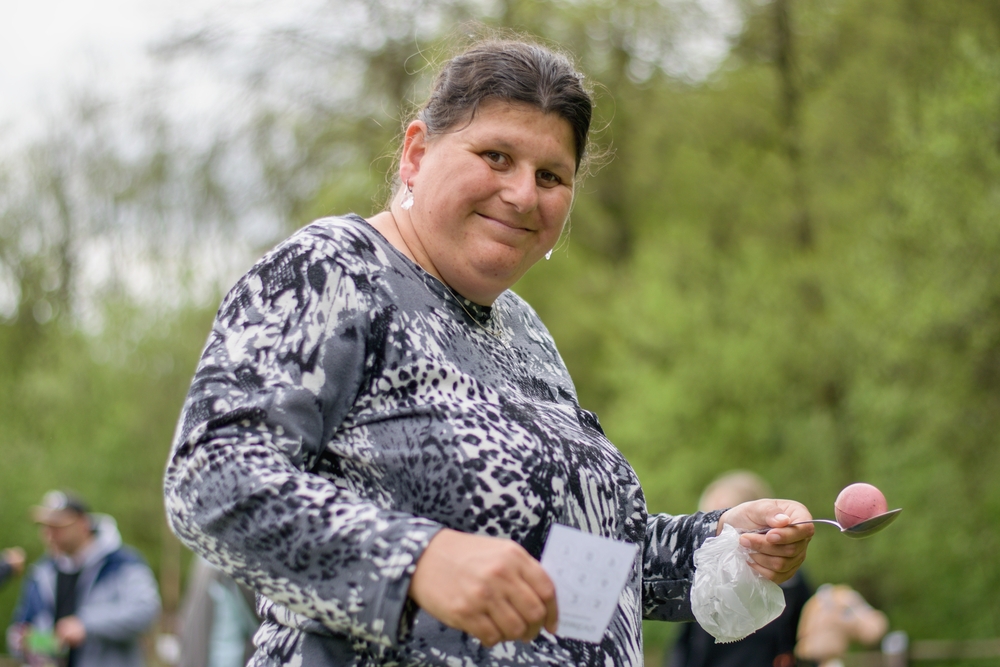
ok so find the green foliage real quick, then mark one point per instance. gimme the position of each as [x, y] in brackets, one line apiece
[792, 266]
[864, 349]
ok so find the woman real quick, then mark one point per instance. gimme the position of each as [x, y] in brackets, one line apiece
[380, 434]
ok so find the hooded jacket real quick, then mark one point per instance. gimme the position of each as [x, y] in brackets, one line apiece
[117, 600]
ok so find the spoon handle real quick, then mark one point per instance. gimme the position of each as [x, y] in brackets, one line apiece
[829, 521]
[869, 526]
[798, 523]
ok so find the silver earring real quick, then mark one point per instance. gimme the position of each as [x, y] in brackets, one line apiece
[548, 255]
[407, 199]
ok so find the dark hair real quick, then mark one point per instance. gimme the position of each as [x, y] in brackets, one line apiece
[512, 71]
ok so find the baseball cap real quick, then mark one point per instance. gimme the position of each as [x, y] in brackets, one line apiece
[58, 509]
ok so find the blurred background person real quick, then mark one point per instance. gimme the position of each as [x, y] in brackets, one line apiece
[217, 619]
[11, 563]
[774, 644]
[90, 598]
[832, 618]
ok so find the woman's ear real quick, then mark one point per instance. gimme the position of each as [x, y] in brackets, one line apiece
[414, 148]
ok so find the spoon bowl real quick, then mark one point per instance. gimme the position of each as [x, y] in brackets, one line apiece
[864, 528]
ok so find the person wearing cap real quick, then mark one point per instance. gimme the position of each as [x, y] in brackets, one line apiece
[90, 598]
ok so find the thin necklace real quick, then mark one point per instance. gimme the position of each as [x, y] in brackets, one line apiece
[496, 334]
[458, 299]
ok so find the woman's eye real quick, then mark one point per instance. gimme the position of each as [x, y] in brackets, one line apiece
[547, 178]
[495, 157]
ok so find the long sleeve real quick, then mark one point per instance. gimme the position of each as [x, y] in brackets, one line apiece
[668, 563]
[285, 360]
[129, 611]
[30, 606]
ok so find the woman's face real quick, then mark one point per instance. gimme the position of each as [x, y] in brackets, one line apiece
[490, 198]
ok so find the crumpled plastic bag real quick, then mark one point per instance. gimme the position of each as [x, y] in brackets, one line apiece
[729, 599]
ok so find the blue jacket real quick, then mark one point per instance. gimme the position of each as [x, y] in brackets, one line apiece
[117, 601]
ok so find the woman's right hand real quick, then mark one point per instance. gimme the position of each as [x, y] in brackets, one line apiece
[488, 587]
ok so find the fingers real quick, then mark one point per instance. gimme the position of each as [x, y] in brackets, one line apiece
[552, 613]
[70, 631]
[777, 554]
[541, 585]
[485, 630]
[488, 587]
[776, 568]
[778, 540]
[766, 513]
[522, 612]
[523, 601]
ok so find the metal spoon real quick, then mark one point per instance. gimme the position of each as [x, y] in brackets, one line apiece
[863, 529]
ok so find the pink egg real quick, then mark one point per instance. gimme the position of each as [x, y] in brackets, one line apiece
[858, 502]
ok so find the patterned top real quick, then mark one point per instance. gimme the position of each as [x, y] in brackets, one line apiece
[346, 407]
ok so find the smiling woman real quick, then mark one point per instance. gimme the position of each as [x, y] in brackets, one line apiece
[489, 199]
[380, 434]
[489, 166]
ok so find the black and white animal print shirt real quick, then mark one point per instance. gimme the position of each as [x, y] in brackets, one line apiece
[346, 407]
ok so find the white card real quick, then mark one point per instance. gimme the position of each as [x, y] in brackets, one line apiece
[589, 572]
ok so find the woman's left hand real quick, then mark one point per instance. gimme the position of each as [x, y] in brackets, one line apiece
[779, 552]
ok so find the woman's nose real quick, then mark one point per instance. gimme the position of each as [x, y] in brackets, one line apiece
[521, 191]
